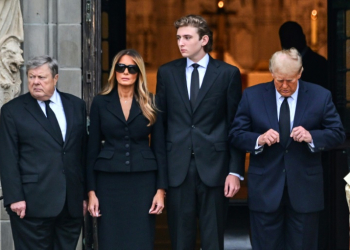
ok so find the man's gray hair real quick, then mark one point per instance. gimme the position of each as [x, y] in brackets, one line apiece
[38, 61]
[293, 54]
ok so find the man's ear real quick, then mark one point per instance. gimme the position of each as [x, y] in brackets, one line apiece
[205, 40]
[55, 79]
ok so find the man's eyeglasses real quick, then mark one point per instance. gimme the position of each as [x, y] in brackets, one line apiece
[133, 69]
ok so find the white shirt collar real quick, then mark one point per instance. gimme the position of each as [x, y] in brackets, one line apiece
[54, 97]
[203, 62]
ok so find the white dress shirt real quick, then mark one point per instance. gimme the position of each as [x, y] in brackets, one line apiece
[203, 64]
[57, 108]
[292, 103]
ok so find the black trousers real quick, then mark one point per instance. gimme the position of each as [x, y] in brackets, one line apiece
[194, 200]
[284, 229]
[55, 233]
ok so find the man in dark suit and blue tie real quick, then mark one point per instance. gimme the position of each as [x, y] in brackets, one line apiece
[285, 125]
[42, 161]
[198, 100]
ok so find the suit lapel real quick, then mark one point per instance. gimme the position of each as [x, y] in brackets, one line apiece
[209, 78]
[34, 109]
[135, 110]
[114, 106]
[271, 106]
[301, 105]
[179, 74]
[302, 101]
[69, 113]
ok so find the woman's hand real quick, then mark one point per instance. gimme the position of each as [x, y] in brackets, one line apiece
[93, 205]
[158, 202]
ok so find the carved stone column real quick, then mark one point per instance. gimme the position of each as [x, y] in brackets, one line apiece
[11, 36]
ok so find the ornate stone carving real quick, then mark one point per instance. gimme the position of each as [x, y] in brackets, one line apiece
[11, 36]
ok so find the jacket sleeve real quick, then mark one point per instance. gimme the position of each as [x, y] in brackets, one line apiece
[161, 97]
[94, 145]
[241, 134]
[159, 149]
[84, 146]
[234, 94]
[9, 159]
[332, 132]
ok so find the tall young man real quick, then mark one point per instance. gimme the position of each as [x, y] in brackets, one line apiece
[198, 99]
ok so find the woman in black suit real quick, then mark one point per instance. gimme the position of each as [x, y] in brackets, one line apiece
[126, 175]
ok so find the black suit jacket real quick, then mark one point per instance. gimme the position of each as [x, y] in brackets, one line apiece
[126, 143]
[297, 164]
[204, 130]
[34, 166]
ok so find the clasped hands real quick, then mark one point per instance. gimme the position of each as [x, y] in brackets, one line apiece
[271, 136]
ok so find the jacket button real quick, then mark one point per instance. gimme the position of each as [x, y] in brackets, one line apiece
[127, 162]
[284, 170]
[126, 129]
[127, 153]
[193, 126]
[63, 171]
[286, 151]
[126, 137]
[126, 145]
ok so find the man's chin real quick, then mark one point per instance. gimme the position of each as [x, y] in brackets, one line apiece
[184, 54]
[37, 96]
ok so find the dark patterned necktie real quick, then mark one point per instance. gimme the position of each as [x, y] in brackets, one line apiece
[284, 122]
[53, 121]
[194, 84]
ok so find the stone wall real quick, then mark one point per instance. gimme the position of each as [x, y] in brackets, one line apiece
[51, 27]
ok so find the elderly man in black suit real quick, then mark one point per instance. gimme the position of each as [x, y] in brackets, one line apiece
[42, 155]
[198, 99]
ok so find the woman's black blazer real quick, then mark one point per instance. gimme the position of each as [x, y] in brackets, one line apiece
[129, 145]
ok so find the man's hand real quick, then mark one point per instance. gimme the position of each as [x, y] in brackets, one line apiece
[270, 137]
[300, 134]
[19, 208]
[232, 185]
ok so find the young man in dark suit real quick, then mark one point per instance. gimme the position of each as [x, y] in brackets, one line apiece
[42, 155]
[198, 99]
[285, 125]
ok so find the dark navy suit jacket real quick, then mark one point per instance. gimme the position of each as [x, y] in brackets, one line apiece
[296, 164]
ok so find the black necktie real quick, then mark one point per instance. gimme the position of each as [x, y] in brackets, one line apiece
[194, 84]
[53, 120]
[284, 122]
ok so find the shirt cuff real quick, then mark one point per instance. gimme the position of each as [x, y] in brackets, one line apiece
[311, 146]
[240, 177]
[258, 149]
